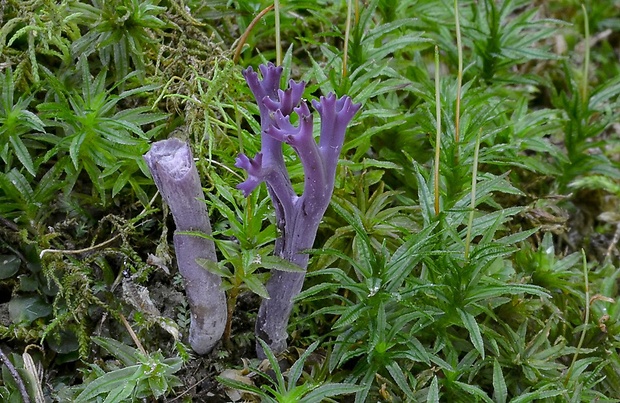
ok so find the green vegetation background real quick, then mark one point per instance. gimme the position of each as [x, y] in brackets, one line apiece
[470, 252]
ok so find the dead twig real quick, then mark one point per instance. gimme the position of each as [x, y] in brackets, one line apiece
[18, 380]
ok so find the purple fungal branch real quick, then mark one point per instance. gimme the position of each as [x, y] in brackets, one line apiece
[297, 217]
[175, 174]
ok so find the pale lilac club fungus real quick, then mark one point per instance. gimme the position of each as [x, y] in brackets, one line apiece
[174, 172]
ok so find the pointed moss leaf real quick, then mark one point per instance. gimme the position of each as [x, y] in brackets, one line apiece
[493, 291]
[424, 195]
[538, 395]
[433, 391]
[21, 151]
[9, 265]
[500, 391]
[474, 330]
[273, 361]
[474, 391]
[296, 370]
[121, 181]
[580, 366]
[21, 185]
[126, 354]
[74, 149]
[119, 394]
[367, 381]
[399, 377]
[515, 238]
[277, 263]
[115, 380]
[407, 256]
[237, 385]
[364, 255]
[314, 290]
[349, 316]
[417, 352]
[326, 390]
[354, 220]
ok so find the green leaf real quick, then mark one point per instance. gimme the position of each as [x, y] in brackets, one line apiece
[74, 149]
[433, 391]
[492, 291]
[126, 354]
[320, 394]
[399, 377]
[349, 316]
[500, 391]
[25, 310]
[233, 384]
[119, 395]
[215, 267]
[277, 263]
[539, 395]
[425, 196]
[21, 151]
[254, 284]
[474, 330]
[9, 265]
[473, 390]
[298, 367]
[119, 380]
[273, 361]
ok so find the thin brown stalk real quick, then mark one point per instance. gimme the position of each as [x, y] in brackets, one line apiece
[15, 375]
[133, 334]
[247, 31]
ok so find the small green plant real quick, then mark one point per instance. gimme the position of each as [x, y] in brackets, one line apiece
[17, 123]
[448, 264]
[35, 30]
[141, 375]
[277, 389]
[123, 32]
[246, 245]
[92, 133]
[588, 115]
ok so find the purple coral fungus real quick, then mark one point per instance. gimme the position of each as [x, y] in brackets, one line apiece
[297, 217]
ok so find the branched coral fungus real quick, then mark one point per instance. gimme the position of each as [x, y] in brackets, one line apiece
[297, 217]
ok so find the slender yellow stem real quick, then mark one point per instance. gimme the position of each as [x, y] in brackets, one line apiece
[586, 319]
[459, 77]
[438, 132]
[133, 335]
[347, 31]
[78, 251]
[474, 180]
[276, 7]
[246, 33]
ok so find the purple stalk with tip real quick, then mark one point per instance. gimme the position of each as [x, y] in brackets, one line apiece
[175, 174]
[297, 217]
